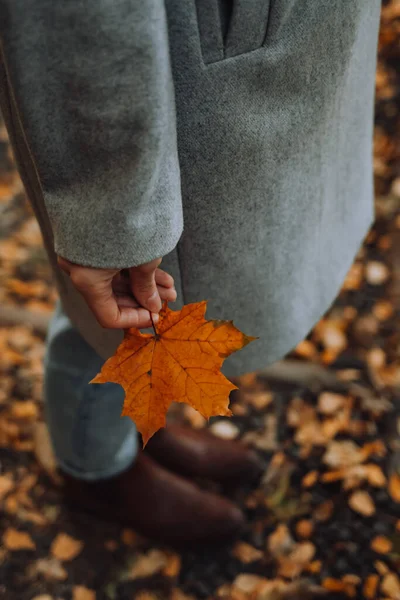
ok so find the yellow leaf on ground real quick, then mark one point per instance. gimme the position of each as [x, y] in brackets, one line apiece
[18, 540]
[82, 593]
[148, 564]
[180, 363]
[65, 547]
[381, 544]
[361, 502]
[391, 586]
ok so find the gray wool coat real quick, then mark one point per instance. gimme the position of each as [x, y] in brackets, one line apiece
[231, 137]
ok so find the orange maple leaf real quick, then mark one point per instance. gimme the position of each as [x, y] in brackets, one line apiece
[181, 362]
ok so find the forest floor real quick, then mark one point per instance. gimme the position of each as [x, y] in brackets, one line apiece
[324, 521]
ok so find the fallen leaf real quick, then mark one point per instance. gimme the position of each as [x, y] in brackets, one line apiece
[26, 410]
[383, 310]
[354, 277]
[246, 553]
[381, 544]
[180, 363]
[338, 585]
[173, 566]
[280, 541]
[381, 567]
[370, 586]
[304, 528]
[148, 564]
[292, 565]
[18, 540]
[342, 454]
[354, 475]
[248, 584]
[310, 479]
[391, 586]
[6, 485]
[394, 487]
[329, 403]
[65, 547]
[376, 273]
[224, 429]
[82, 593]
[50, 568]
[324, 511]
[314, 566]
[361, 502]
[259, 400]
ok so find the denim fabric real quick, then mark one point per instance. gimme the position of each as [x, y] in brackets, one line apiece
[90, 438]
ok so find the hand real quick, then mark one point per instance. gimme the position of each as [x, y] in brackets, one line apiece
[121, 299]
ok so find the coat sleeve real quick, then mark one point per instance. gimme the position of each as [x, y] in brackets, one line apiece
[92, 83]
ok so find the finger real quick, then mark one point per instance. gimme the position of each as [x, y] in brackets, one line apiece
[167, 294]
[123, 290]
[144, 286]
[103, 303]
[137, 318]
[163, 278]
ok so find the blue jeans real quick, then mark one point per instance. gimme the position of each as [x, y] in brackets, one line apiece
[90, 438]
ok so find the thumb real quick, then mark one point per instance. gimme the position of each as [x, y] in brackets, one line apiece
[144, 286]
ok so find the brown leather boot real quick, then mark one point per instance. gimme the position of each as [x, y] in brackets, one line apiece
[198, 453]
[157, 504]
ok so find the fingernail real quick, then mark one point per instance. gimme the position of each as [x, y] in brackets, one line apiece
[155, 317]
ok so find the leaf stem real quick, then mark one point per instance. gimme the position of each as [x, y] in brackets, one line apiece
[154, 327]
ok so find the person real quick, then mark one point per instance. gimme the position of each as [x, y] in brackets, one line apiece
[229, 138]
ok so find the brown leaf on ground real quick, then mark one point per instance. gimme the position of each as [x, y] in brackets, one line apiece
[361, 502]
[27, 410]
[324, 511]
[49, 568]
[6, 485]
[65, 547]
[293, 564]
[340, 586]
[246, 553]
[180, 363]
[381, 544]
[305, 528]
[82, 593]
[394, 487]
[18, 540]
[370, 586]
[310, 479]
[329, 403]
[280, 541]
[342, 454]
[355, 475]
[147, 564]
[391, 586]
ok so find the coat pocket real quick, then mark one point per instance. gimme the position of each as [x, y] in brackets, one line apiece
[231, 28]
